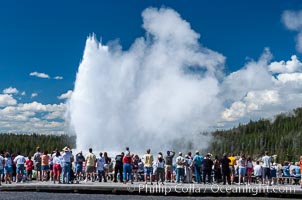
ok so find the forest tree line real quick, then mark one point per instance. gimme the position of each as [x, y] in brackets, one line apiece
[27, 143]
[282, 137]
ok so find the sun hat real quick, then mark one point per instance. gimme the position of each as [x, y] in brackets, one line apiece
[66, 149]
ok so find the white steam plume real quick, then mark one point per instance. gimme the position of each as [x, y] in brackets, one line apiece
[147, 96]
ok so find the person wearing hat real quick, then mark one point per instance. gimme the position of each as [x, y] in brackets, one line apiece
[66, 161]
[197, 162]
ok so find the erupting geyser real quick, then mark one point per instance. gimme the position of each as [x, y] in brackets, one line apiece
[147, 96]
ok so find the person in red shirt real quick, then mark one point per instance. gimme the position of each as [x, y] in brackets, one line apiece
[29, 168]
[127, 168]
[301, 170]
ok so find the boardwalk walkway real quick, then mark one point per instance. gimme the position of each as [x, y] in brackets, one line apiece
[293, 191]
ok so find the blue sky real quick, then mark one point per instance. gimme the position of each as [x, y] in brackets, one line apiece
[49, 37]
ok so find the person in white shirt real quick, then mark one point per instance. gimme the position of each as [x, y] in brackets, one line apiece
[266, 168]
[57, 167]
[160, 165]
[19, 161]
[67, 159]
[100, 162]
[1, 167]
[258, 171]
[180, 171]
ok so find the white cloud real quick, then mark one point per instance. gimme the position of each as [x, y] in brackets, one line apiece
[10, 90]
[39, 75]
[23, 93]
[58, 77]
[255, 91]
[25, 118]
[254, 101]
[66, 95]
[252, 77]
[293, 65]
[293, 77]
[55, 115]
[34, 95]
[293, 21]
[7, 99]
[236, 111]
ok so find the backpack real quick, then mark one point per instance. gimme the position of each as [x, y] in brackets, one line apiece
[37, 157]
[169, 160]
[217, 164]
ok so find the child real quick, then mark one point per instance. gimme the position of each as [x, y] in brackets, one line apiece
[29, 168]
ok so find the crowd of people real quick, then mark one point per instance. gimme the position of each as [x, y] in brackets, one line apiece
[64, 167]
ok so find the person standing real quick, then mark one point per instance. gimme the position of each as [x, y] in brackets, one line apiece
[148, 169]
[300, 163]
[8, 168]
[90, 165]
[232, 167]
[242, 168]
[225, 169]
[207, 165]
[169, 165]
[127, 168]
[180, 171]
[100, 162]
[19, 161]
[37, 160]
[66, 161]
[266, 159]
[135, 161]
[79, 166]
[107, 164]
[188, 167]
[45, 165]
[160, 164]
[118, 168]
[57, 169]
[217, 170]
[1, 167]
[249, 169]
[29, 168]
[197, 160]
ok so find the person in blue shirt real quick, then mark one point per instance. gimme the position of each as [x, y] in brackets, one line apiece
[296, 173]
[197, 160]
[285, 171]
